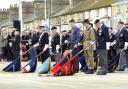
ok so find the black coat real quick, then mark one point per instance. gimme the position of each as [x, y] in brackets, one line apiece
[102, 36]
[112, 37]
[34, 39]
[121, 38]
[43, 40]
[65, 45]
[55, 41]
[16, 43]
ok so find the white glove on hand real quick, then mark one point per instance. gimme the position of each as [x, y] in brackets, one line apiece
[75, 46]
[30, 41]
[36, 45]
[65, 41]
[57, 47]
[79, 44]
[21, 53]
[126, 46]
[10, 43]
[92, 43]
[113, 43]
[46, 47]
[108, 44]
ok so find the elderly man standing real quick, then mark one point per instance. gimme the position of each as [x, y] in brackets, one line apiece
[121, 39]
[89, 38]
[74, 38]
[102, 37]
[126, 52]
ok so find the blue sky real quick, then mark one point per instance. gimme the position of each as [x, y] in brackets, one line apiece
[6, 3]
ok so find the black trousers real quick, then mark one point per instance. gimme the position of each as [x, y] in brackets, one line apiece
[45, 55]
[4, 51]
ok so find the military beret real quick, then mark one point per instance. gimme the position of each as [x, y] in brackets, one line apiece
[120, 22]
[97, 21]
[86, 21]
[64, 31]
[53, 28]
[72, 21]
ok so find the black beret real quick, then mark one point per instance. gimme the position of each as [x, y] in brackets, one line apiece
[53, 28]
[97, 21]
[72, 21]
[120, 22]
[86, 21]
[64, 31]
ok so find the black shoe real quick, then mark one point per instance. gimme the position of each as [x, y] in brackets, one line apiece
[90, 71]
[120, 70]
[101, 73]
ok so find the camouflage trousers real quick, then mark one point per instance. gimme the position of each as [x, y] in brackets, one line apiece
[89, 56]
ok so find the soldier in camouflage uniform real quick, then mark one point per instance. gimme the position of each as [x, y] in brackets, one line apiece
[89, 38]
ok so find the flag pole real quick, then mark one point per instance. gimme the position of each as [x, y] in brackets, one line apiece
[20, 15]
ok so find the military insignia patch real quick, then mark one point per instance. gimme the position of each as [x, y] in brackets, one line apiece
[121, 35]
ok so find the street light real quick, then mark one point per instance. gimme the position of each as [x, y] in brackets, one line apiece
[20, 15]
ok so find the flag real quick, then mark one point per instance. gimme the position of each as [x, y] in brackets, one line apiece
[69, 68]
[14, 66]
[66, 66]
[113, 63]
[30, 67]
[45, 67]
[60, 64]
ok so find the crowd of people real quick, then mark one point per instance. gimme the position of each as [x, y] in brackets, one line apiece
[97, 41]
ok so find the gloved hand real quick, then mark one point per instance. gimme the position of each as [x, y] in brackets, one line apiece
[108, 45]
[92, 43]
[65, 41]
[126, 46]
[46, 47]
[57, 48]
[30, 41]
[113, 43]
[21, 53]
[79, 44]
[35, 45]
[75, 46]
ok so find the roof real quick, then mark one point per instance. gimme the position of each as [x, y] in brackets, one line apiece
[88, 5]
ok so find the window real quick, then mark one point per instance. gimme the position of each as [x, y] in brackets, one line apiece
[97, 13]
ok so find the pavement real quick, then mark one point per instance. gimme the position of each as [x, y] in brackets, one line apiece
[116, 80]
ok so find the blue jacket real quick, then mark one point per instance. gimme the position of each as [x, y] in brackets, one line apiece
[121, 38]
[75, 36]
[102, 36]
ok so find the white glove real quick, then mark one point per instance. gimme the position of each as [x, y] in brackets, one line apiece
[30, 41]
[75, 46]
[65, 41]
[79, 44]
[46, 47]
[21, 53]
[35, 45]
[10, 43]
[126, 46]
[92, 43]
[57, 47]
[108, 44]
[113, 43]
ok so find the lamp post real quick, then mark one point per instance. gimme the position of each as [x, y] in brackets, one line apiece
[20, 15]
